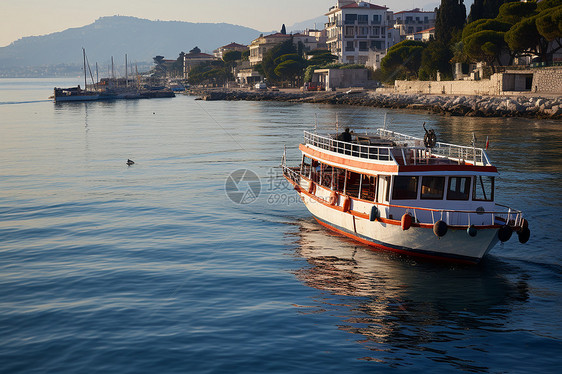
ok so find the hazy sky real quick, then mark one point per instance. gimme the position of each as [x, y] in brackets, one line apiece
[19, 18]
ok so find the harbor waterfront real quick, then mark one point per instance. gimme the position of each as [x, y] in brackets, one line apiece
[456, 105]
[199, 257]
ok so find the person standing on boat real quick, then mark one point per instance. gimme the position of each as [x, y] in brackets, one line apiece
[345, 136]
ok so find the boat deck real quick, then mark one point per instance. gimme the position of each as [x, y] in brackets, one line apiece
[398, 148]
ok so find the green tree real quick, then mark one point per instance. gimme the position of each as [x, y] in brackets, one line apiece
[321, 57]
[536, 30]
[268, 64]
[483, 40]
[435, 58]
[485, 9]
[231, 56]
[449, 21]
[403, 60]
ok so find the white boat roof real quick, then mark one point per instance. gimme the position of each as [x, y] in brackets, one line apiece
[391, 152]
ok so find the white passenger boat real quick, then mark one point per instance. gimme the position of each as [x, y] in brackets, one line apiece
[410, 195]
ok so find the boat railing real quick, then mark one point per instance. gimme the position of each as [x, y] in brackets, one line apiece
[371, 152]
[451, 151]
[507, 215]
[292, 173]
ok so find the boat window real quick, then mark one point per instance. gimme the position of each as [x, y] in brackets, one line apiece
[483, 188]
[305, 168]
[459, 188]
[405, 188]
[353, 182]
[316, 171]
[368, 187]
[339, 179]
[432, 188]
[327, 176]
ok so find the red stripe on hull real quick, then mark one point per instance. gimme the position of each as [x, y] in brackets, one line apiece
[401, 251]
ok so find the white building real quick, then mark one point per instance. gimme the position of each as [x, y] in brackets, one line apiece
[411, 22]
[357, 31]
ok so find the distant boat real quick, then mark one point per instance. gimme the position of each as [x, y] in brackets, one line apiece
[109, 89]
[75, 94]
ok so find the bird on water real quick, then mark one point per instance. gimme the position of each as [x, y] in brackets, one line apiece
[130, 162]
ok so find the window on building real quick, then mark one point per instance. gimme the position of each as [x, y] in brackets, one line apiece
[425, 19]
[405, 188]
[432, 188]
[349, 31]
[376, 19]
[349, 47]
[363, 31]
[363, 46]
[459, 188]
[362, 19]
[376, 31]
[483, 189]
[376, 44]
[350, 19]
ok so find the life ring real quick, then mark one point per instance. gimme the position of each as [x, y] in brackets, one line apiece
[346, 204]
[429, 139]
[406, 221]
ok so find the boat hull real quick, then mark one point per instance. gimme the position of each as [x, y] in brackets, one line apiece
[420, 241]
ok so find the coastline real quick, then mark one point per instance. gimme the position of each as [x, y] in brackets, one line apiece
[529, 106]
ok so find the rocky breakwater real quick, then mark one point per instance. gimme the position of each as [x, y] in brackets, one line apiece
[471, 106]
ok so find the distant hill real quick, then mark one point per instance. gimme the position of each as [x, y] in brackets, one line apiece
[141, 39]
[309, 24]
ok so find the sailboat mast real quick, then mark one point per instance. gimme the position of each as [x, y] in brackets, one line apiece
[126, 72]
[84, 56]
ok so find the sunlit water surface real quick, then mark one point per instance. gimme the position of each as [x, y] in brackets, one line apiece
[151, 268]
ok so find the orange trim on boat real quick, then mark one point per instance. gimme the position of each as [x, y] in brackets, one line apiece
[387, 221]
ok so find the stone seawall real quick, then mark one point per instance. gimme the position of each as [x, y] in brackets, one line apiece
[471, 106]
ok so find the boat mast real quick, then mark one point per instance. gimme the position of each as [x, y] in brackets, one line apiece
[126, 72]
[84, 57]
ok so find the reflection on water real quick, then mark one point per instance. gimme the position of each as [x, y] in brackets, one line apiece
[395, 303]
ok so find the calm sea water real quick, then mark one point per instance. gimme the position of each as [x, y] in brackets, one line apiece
[152, 268]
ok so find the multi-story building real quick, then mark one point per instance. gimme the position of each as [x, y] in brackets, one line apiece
[219, 52]
[260, 46]
[194, 58]
[410, 22]
[357, 31]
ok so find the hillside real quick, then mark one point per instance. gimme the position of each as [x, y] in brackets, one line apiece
[141, 39]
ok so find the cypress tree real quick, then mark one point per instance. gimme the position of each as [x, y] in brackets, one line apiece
[450, 20]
